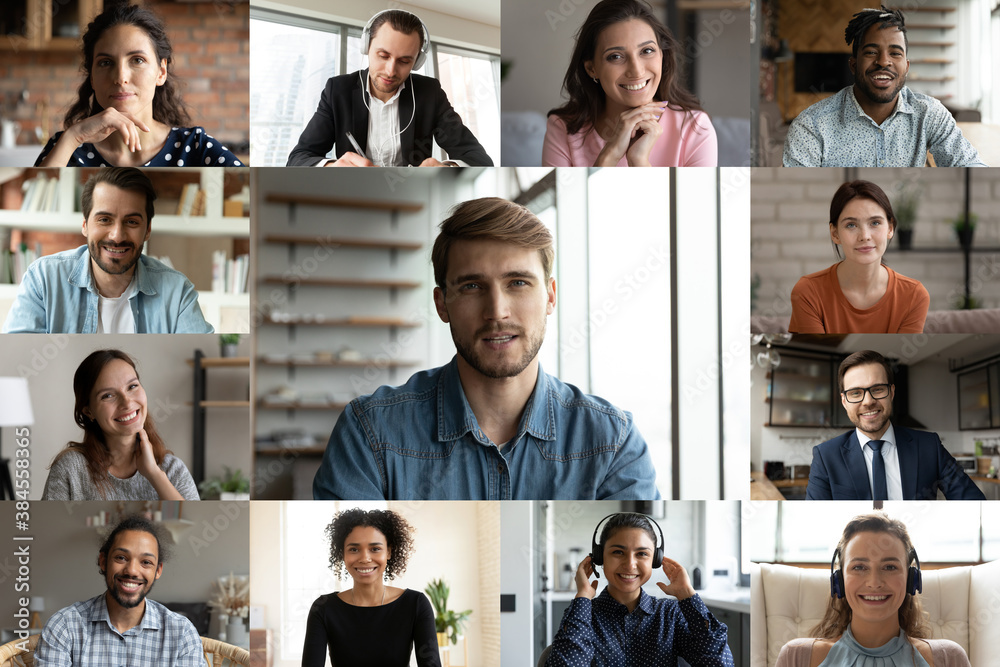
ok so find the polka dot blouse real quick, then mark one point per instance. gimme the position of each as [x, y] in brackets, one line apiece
[601, 633]
[184, 147]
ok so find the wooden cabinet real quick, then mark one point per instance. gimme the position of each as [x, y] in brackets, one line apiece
[45, 25]
[803, 392]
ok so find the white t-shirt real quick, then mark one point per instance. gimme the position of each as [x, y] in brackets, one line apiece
[114, 315]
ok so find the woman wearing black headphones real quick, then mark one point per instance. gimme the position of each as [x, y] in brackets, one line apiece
[874, 616]
[625, 626]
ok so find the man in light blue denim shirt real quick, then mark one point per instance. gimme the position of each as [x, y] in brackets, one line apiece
[108, 285]
[877, 122]
[490, 425]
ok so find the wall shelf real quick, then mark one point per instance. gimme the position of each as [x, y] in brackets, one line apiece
[373, 244]
[343, 202]
[292, 281]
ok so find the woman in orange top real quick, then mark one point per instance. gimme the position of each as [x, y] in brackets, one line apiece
[859, 294]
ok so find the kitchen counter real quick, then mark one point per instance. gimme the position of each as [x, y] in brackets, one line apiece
[737, 600]
[761, 488]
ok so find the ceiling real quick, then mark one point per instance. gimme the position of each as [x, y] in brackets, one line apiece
[481, 11]
[910, 349]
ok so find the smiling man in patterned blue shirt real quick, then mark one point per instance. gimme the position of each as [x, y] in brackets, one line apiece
[122, 626]
[877, 122]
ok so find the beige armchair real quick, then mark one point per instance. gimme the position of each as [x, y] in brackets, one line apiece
[963, 604]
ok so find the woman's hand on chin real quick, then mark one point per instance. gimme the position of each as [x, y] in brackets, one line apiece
[100, 126]
[648, 131]
[630, 130]
[145, 462]
[585, 588]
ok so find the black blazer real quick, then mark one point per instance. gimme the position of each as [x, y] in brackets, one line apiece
[342, 110]
[839, 471]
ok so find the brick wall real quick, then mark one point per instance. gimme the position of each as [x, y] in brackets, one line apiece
[790, 236]
[211, 58]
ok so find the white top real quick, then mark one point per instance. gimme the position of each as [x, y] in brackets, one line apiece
[893, 480]
[114, 315]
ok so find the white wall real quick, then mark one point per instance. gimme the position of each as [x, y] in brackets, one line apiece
[446, 28]
[49, 362]
[64, 552]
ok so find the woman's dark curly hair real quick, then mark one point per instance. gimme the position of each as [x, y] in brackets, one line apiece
[398, 536]
[167, 104]
[586, 97]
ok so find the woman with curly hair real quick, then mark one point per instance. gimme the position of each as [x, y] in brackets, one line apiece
[874, 616]
[121, 456]
[627, 105]
[371, 623]
[128, 111]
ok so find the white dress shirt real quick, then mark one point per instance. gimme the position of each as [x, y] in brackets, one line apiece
[890, 454]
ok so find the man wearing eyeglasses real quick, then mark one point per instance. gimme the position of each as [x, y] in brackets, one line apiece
[879, 461]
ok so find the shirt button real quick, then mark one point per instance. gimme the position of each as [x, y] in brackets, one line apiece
[500, 469]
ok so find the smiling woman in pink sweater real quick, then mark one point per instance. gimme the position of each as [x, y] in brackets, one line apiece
[626, 106]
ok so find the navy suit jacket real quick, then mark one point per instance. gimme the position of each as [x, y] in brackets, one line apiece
[839, 471]
[342, 109]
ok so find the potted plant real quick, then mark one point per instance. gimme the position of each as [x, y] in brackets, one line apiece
[232, 486]
[965, 228]
[228, 344]
[449, 624]
[905, 210]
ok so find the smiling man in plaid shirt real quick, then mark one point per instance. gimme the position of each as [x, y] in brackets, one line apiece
[121, 627]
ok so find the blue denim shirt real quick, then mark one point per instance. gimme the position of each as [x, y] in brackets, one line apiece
[58, 295]
[421, 441]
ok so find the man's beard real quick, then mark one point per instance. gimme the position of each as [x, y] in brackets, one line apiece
[377, 85]
[886, 416]
[499, 369]
[113, 268]
[875, 95]
[129, 603]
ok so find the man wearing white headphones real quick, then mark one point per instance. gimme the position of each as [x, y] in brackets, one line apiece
[384, 115]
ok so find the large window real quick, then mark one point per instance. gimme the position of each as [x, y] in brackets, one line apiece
[292, 57]
[793, 532]
[623, 331]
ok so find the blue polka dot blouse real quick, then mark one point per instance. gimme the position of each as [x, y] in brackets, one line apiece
[184, 147]
[601, 633]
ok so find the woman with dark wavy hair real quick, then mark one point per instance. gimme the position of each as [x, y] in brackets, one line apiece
[874, 616]
[121, 456]
[627, 105]
[370, 624]
[859, 294]
[128, 112]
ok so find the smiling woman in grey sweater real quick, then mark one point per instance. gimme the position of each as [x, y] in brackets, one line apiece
[121, 457]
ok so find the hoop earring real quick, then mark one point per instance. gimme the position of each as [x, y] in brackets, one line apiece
[596, 80]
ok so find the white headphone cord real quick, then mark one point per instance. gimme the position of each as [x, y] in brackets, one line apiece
[378, 154]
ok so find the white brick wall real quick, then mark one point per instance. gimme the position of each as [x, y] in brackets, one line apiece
[790, 235]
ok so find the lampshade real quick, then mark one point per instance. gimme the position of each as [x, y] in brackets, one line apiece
[37, 603]
[15, 402]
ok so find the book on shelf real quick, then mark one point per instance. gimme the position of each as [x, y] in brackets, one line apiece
[15, 263]
[230, 275]
[41, 194]
[188, 204]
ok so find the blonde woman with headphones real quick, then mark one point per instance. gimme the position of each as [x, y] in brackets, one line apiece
[874, 617]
